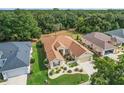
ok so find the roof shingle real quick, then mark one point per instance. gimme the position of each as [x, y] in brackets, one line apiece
[99, 39]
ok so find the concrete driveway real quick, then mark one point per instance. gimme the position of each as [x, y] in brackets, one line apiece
[19, 80]
[115, 56]
[88, 67]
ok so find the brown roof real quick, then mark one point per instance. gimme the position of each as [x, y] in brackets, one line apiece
[76, 49]
[52, 42]
[99, 39]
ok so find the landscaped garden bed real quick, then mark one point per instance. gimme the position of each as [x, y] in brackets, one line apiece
[72, 64]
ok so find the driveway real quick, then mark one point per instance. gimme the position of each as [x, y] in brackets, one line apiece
[19, 80]
[115, 56]
[88, 67]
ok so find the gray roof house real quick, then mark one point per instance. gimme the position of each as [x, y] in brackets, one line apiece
[99, 42]
[117, 34]
[14, 58]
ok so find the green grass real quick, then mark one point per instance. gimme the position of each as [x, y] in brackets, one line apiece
[39, 74]
[69, 79]
[75, 34]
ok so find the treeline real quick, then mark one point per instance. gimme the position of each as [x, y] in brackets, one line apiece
[28, 24]
[18, 25]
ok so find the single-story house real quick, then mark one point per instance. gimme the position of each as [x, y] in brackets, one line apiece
[15, 58]
[118, 35]
[99, 42]
[57, 48]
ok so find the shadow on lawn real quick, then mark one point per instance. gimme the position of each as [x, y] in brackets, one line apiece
[41, 57]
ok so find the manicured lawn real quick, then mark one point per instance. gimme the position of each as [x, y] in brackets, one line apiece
[39, 72]
[69, 79]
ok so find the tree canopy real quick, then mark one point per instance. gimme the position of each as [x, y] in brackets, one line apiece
[18, 26]
[28, 24]
[108, 72]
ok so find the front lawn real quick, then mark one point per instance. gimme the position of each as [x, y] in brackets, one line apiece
[69, 79]
[39, 73]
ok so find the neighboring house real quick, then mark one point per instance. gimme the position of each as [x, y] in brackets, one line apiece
[59, 48]
[100, 43]
[118, 35]
[15, 58]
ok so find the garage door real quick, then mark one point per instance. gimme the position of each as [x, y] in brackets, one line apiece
[84, 59]
[16, 72]
[109, 52]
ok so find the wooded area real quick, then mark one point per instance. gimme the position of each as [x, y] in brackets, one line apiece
[28, 24]
[108, 71]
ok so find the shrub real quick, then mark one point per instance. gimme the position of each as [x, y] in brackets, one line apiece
[61, 67]
[1, 76]
[57, 71]
[69, 71]
[50, 73]
[39, 44]
[32, 60]
[31, 72]
[45, 61]
[81, 70]
[76, 69]
[73, 64]
[65, 68]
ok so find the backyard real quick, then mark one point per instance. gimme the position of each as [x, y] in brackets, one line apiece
[39, 72]
[72, 33]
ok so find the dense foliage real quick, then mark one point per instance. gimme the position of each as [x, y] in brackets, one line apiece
[108, 72]
[28, 24]
[18, 25]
